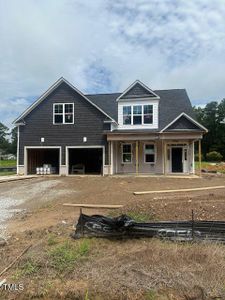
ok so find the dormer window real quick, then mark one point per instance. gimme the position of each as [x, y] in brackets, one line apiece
[148, 114]
[63, 113]
[126, 115]
[138, 114]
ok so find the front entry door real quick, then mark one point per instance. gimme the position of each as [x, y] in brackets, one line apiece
[177, 164]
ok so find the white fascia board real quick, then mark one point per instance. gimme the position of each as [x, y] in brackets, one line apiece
[49, 91]
[189, 118]
[143, 85]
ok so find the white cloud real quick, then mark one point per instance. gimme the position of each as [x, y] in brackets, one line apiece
[105, 45]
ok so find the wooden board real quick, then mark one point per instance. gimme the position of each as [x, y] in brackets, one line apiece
[181, 190]
[93, 205]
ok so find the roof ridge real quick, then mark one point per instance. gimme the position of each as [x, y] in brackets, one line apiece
[181, 89]
[102, 94]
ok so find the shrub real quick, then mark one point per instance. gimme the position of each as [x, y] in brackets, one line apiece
[214, 156]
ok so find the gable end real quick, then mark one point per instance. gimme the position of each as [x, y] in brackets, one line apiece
[51, 90]
[138, 90]
[184, 123]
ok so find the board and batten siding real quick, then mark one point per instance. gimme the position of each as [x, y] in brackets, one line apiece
[154, 103]
[88, 122]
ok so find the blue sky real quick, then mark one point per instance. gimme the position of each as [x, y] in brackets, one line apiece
[103, 46]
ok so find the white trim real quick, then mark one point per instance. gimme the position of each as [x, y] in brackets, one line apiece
[189, 118]
[18, 151]
[130, 162]
[184, 146]
[155, 151]
[41, 147]
[84, 147]
[144, 86]
[111, 158]
[51, 89]
[63, 113]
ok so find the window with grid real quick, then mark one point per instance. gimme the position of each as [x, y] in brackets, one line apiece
[148, 114]
[137, 114]
[126, 115]
[127, 153]
[149, 153]
[63, 113]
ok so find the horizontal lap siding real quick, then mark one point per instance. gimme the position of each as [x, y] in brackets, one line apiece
[88, 122]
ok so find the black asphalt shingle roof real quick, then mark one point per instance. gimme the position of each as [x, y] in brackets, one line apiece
[171, 104]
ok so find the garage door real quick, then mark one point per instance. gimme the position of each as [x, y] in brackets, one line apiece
[85, 161]
[38, 157]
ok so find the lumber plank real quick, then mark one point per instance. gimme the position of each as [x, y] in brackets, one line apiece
[92, 205]
[15, 260]
[181, 190]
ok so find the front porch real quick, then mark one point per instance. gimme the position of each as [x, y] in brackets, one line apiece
[151, 155]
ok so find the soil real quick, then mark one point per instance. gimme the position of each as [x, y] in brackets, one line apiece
[134, 269]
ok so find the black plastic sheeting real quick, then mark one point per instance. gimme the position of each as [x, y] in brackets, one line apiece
[124, 227]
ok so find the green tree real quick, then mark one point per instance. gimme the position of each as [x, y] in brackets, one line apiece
[13, 145]
[4, 143]
[212, 116]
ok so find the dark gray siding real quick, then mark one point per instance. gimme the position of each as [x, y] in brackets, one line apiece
[183, 123]
[137, 91]
[88, 121]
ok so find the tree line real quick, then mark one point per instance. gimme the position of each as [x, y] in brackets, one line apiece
[212, 116]
[8, 140]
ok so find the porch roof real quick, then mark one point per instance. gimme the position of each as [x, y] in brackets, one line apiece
[139, 135]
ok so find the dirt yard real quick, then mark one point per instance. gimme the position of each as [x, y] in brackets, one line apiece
[58, 267]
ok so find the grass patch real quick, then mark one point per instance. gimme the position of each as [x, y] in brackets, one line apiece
[30, 267]
[52, 240]
[7, 173]
[150, 295]
[63, 257]
[140, 217]
[8, 163]
[218, 167]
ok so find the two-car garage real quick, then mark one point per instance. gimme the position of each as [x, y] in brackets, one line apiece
[79, 160]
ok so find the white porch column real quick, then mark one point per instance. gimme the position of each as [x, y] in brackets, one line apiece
[164, 157]
[192, 157]
[111, 158]
[200, 157]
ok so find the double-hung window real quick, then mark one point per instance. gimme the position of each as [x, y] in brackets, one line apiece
[63, 113]
[149, 153]
[137, 114]
[148, 114]
[126, 153]
[126, 115]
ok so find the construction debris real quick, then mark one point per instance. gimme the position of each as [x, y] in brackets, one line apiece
[93, 205]
[15, 260]
[181, 190]
[124, 227]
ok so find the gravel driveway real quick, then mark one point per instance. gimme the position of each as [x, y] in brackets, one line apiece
[12, 196]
